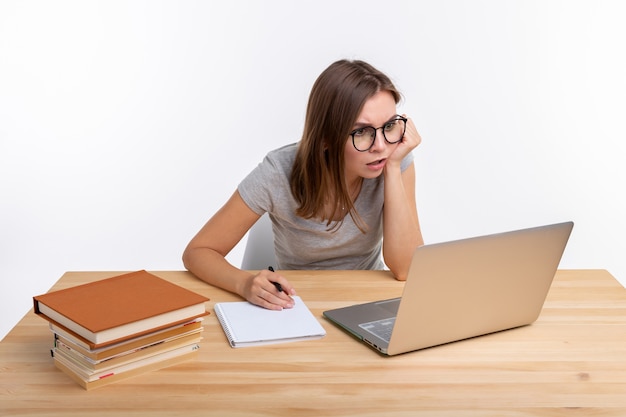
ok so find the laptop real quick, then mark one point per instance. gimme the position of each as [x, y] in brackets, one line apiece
[461, 289]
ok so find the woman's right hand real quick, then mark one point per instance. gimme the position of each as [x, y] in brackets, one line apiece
[260, 289]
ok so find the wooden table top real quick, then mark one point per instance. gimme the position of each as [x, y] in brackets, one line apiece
[571, 361]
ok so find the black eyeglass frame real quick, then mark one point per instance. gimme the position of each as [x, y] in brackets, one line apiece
[398, 117]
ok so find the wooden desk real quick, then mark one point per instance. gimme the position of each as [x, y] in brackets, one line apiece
[572, 361]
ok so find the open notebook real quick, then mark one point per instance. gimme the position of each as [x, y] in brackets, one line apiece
[246, 324]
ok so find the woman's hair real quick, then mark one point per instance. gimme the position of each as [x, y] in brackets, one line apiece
[335, 102]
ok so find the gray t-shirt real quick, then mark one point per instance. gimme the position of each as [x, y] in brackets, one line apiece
[307, 243]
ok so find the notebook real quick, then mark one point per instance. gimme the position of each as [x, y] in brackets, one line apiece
[246, 324]
[461, 289]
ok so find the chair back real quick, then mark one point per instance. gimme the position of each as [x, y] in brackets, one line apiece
[259, 252]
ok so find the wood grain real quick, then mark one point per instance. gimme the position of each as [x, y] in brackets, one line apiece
[571, 362]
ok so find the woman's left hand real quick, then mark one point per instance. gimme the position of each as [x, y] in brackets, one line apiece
[409, 142]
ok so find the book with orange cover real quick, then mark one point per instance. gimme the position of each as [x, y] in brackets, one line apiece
[126, 345]
[163, 360]
[90, 366]
[108, 311]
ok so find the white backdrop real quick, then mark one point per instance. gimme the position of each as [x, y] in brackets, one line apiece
[125, 125]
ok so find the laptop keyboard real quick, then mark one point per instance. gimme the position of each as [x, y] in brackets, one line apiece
[380, 328]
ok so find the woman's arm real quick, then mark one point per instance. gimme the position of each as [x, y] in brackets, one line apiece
[205, 254]
[401, 228]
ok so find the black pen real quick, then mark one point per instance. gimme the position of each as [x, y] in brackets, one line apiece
[276, 284]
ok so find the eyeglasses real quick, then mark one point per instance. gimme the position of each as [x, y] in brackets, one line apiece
[363, 138]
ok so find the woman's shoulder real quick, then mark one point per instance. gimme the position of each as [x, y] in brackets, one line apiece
[284, 153]
[272, 173]
[281, 159]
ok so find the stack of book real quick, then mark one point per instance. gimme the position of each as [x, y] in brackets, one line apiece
[122, 326]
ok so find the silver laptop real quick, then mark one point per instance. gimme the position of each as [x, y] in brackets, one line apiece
[461, 289]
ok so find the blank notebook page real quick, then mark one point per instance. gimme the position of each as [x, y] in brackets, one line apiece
[246, 324]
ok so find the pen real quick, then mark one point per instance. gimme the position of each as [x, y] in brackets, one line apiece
[276, 284]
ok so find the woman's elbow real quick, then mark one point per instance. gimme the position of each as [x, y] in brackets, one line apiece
[400, 274]
[399, 267]
[187, 258]
[400, 277]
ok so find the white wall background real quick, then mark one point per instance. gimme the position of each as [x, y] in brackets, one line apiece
[125, 124]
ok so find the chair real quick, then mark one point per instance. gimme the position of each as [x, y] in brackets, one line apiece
[259, 252]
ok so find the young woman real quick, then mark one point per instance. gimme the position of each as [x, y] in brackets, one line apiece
[337, 199]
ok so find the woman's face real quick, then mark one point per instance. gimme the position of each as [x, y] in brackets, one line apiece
[378, 110]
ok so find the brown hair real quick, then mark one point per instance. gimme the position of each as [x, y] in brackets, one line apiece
[335, 102]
